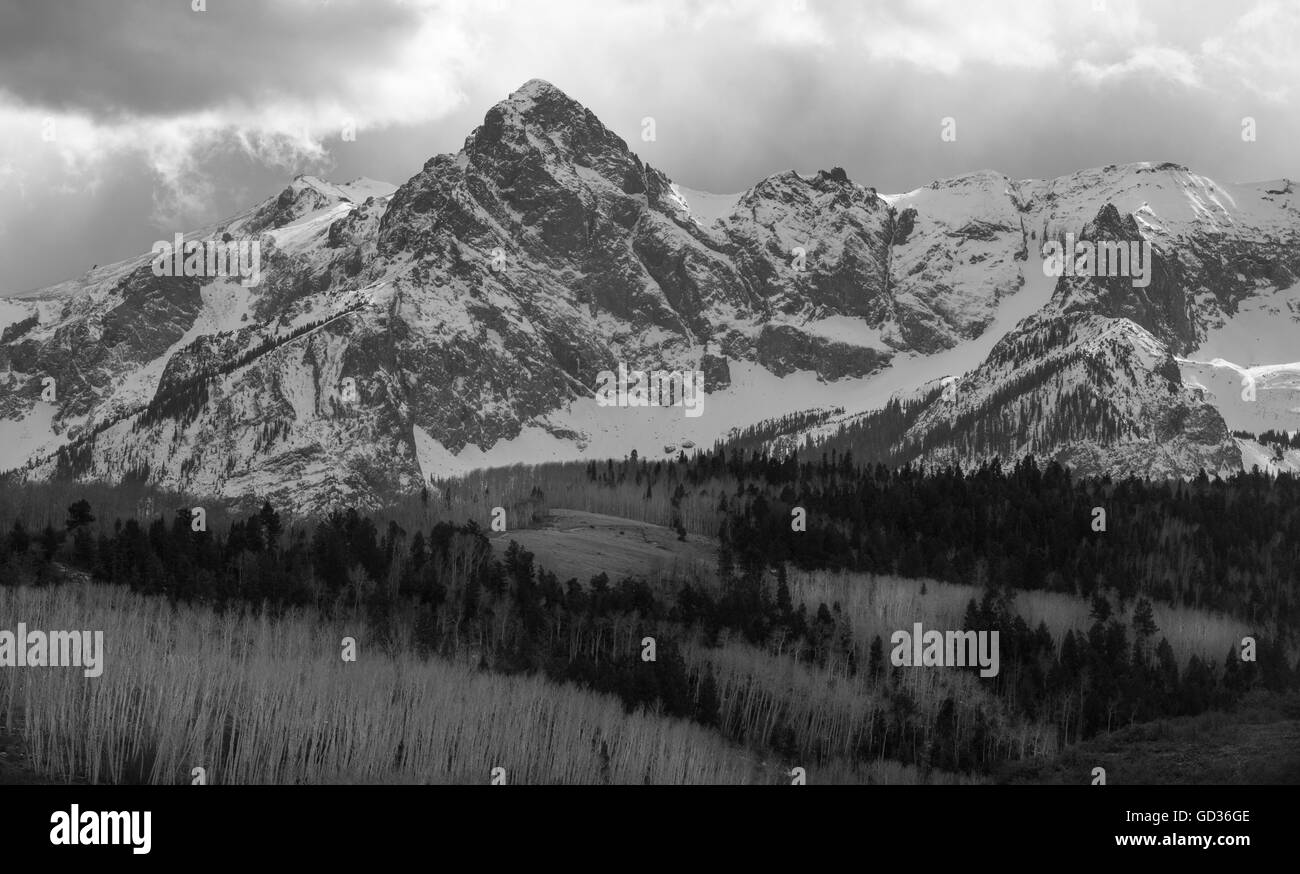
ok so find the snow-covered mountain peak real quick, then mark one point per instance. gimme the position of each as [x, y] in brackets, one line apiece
[536, 89]
[461, 319]
[542, 121]
[355, 191]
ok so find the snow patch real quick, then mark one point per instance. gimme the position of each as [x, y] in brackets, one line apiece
[1274, 403]
[1265, 328]
[22, 438]
[704, 207]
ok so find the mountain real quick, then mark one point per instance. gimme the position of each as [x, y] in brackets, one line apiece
[463, 319]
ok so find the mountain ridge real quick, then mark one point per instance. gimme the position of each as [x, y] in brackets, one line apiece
[470, 309]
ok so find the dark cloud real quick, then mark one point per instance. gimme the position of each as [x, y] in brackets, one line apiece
[739, 90]
[150, 58]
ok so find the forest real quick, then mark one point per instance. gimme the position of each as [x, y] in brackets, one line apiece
[426, 577]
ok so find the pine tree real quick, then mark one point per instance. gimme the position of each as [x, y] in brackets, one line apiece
[83, 549]
[1100, 608]
[1144, 622]
[876, 661]
[79, 515]
[253, 540]
[269, 522]
[19, 539]
[49, 541]
[784, 604]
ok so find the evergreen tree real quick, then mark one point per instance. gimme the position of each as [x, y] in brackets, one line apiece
[784, 604]
[876, 661]
[269, 523]
[49, 541]
[19, 539]
[1144, 618]
[79, 515]
[1100, 608]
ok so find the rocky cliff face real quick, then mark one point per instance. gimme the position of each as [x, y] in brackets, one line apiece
[463, 317]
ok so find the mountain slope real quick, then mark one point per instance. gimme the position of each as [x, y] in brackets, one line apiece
[462, 319]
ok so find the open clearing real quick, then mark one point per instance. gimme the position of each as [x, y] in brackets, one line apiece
[573, 543]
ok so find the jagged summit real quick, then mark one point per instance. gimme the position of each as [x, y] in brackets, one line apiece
[538, 88]
[539, 102]
[470, 309]
[541, 121]
[1109, 224]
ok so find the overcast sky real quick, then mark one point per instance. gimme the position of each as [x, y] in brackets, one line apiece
[124, 121]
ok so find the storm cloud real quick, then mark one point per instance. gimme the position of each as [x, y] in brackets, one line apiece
[122, 122]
